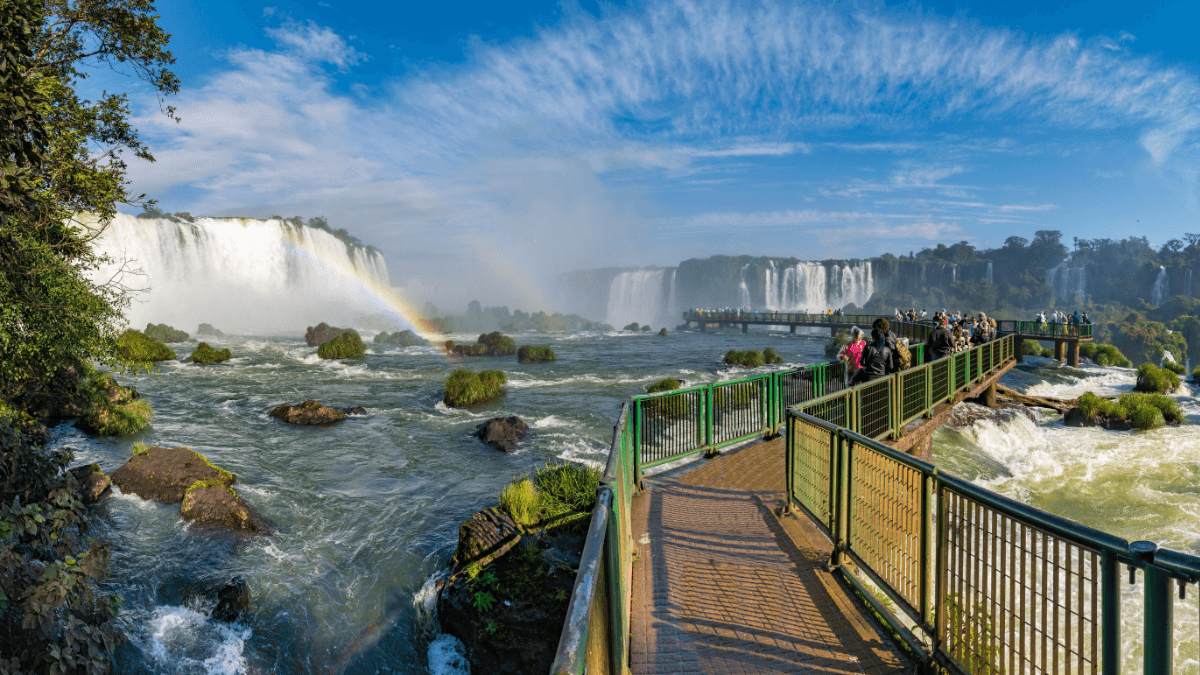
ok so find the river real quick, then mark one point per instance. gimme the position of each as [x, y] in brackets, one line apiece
[369, 509]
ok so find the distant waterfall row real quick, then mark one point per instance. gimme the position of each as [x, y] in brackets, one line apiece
[238, 274]
[1067, 281]
[650, 295]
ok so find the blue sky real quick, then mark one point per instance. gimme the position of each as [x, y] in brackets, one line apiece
[485, 146]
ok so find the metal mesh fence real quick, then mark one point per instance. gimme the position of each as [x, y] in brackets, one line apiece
[797, 387]
[835, 410]
[940, 379]
[885, 521]
[811, 448]
[913, 384]
[875, 409]
[739, 410]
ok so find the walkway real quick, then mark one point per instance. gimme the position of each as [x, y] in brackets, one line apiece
[725, 585]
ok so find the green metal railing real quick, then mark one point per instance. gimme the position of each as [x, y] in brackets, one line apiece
[1035, 329]
[1027, 328]
[989, 586]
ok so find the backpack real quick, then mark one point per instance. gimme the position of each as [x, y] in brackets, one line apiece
[903, 356]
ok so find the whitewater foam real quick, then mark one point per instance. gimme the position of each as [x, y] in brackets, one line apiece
[181, 636]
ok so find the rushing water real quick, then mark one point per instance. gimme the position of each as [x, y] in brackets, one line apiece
[1136, 485]
[368, 509]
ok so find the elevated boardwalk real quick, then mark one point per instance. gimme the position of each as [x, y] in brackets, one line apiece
[724, 584]
[1066, 337]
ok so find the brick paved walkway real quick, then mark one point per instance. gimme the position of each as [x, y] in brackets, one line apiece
[724, 585]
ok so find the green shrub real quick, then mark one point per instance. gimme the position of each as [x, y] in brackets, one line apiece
[1146, 416]
[136, 347]
[348, 345]
[118, 419]
[1196, 373]
[496, 344]
[1167, 406]
[737, 396]
[164, 333]
[632, 326]
[749, 359]
[1155, 380]
[1109, 355]
[1034, 348]
[464, 387]
[665, 384]
[403, 338]
[206, 354]
[662, 332]
[566, 487]
[771, 358]
[646, 328]
[520, 501]
[1089, 404]
[528, 354]
[1177, 368]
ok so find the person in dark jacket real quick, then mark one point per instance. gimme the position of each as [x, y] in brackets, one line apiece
[878, 359]
[941, 340]
[889, 338]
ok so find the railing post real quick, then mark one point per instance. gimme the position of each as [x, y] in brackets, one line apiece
[1160, 609]
[940, 562]
[635, 433]
[928, 480]
[1110, 614]
[709, 415]
[839, 507]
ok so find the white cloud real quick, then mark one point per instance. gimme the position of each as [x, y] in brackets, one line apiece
[318, 44]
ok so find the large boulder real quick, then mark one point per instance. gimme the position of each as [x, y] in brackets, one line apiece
[233, 600]
[216, 503]
[322, 333]
[312, 412]
[502, 433]
[165, 474]
[164, 333]
[484, 537]
[92, 482]
[207, 329]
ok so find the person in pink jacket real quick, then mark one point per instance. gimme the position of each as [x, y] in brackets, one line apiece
[852, 351]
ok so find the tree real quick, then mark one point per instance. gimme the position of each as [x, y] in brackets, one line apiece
[64, 174]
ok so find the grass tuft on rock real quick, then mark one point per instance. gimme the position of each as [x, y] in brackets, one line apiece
[464, 387]
[662, 332]
[520, 501]
[1175, 367]
[749, 359]
[164, 333]
[835, 346]
[1144, 411]
[206, 354]
[1034, 348]
[771, 357]
[402, 338]
[1154, 380]
[348, 345]
[136, 347]
[119, 419]
[530, 354]
[665, 384]
[632, 326]
[498, 344]
[566, 487]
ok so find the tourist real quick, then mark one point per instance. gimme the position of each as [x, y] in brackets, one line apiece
[852, 351]
[1086, 320]
[889, 338]
[877, 359]
[941, 340]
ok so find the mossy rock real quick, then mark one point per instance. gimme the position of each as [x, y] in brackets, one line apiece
[116, 419]
[348, 345]
[633, 326]
[321, 333]
[164, 333]
[771, 358]
[402, 338]
[662, 332]
[215, 503]
[465, 387]
[667, 406]
[665, 384]
[529, 354]
[748, 359]
[498, 344]
[207, 329]
[1154, 380]
[165, 474]
[206, 354]
[646, 328]
[1100, 354]
[136, 347]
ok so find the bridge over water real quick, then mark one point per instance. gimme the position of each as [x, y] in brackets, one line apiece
[1066, 337]
[811, 541]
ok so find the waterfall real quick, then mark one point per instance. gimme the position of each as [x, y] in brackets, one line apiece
[673, 313]
[954, 274]
[989, 272]
[1187, 284]
[772, 291]
[637, 296]
[1067, 281]
[743, 289]
[810, 286]
[1161, 288]
[239, 274]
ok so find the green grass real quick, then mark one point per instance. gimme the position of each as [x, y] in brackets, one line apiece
[772, 358]
[206, 354]
[529, 354]
[465, 387]
[1157, 380]
[1103, 354]
[566, 487]
[402, 338]
[520, 501]
[348, 345]
[136, 347]
[1034, 348]
[749, 359]
[1144, 411]
[164, 333]
[498, 344]
[665, 384]
[1177, 368]
[120, 419]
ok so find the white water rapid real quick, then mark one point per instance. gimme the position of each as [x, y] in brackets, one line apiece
[238, 274]
[1161, 288]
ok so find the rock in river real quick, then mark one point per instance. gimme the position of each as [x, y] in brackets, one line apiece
[92, 482]
[164, 474]
[484, 537]
[502, 433]
[217, 504]
[312, 412]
